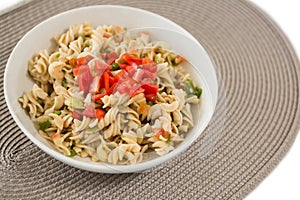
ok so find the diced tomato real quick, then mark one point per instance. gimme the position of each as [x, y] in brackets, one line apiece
[106, 34]
[150, 88]
[111, 57]
[89, 111]
[99, 113]
[136, 91]
[146, 60]
[84, 78]
[150, 97]
[117, 78]
[123, 66]
[76, 71]
[84, 60]
[76, 115]
[131, 59]
[179, 59]
[95, 85]
[162, 132]
[97, 97]
[106, 80]
[111, 80]
[73, 62]
[111, 89]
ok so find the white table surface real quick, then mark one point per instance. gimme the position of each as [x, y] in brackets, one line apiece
[284, 182]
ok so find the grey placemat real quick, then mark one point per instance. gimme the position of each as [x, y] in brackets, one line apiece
[260, 75]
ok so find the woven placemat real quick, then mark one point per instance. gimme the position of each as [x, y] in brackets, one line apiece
[260, 83]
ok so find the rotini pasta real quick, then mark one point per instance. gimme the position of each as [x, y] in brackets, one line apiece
[110, 95]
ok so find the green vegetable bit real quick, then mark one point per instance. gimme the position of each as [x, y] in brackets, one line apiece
[64, 83]
[115, 66]
[57, 112]
[40, 101]
[108, 50]
[191, 89]
[83, 36]
[87, 44]
[150, 103]
[169, 139]
[44, 125]
[57, 56]
[72, 153]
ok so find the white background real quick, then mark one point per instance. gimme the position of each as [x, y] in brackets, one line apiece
[284, 182]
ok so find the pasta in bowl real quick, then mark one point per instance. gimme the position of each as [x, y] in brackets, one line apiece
[115, 97]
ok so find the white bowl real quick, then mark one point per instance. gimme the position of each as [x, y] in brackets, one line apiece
[180, 41]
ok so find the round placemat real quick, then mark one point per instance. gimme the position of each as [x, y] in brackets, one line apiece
[259, 83]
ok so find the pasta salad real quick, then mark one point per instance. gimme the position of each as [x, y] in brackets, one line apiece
[110, 95]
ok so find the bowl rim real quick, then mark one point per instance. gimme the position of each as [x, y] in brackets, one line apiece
[104, 167]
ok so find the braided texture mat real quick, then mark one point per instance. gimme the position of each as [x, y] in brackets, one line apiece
[260, 81]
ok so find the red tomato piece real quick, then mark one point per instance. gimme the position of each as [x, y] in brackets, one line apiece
[150, 97]
[97, 97]
[123, 66]
[150, 88]
[84, 60]
[111, 80]
[99, 113]
[131, 59]
[111, 89]
[106, 80]
[162, 132]
[76, 71]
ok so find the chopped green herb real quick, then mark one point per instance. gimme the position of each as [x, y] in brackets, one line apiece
[82, 35]
[115, 66]
[64, 83]
[44, 125]
[169, 139]
[57, 56]
[40, 101]
[72, 153]
[57, 112]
